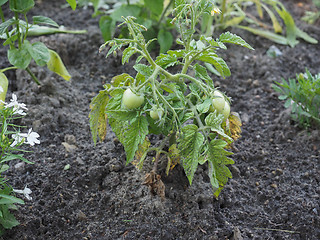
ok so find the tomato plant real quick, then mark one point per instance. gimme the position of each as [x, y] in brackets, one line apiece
[177, 105]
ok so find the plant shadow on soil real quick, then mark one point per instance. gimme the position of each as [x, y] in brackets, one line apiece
[274, 193]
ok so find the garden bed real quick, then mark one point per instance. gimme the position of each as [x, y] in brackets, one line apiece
[274, 193]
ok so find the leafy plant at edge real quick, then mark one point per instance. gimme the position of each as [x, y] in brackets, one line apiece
[10, 141]
[195, 132]
[312, 16]
[233, 13]
[21, 51]
[302, 95]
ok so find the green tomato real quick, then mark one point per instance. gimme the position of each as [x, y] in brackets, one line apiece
[156, 114]
[218, 101]
[131, 100]
[226, 111]
[4, 88]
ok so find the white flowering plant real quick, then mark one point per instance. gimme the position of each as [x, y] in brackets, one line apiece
[10, 141]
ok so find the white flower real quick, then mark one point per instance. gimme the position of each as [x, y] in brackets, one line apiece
[30, 136]
[17, 139]
[1, 89]
[17, 107]
[26, 192]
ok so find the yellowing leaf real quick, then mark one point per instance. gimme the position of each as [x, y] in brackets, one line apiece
[235, 126]
[141, 154]
[98, 118]
[56, 65]
[173, 158]
[122, 80]
[4, 88]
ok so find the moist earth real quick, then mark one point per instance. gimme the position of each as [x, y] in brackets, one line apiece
[82, 191]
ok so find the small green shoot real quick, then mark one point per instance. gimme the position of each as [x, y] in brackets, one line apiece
[302, 95]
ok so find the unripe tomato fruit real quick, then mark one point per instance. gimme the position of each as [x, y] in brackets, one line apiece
[226, 111]
[4, 85]
[131, 100]
[220, 104]
[156, 114]
[218, 101]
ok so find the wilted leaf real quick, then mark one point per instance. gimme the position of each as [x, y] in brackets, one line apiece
[173, 158]
[235, 126]
[141, 154]
[155, 184]
[98, 118]
[56, 65]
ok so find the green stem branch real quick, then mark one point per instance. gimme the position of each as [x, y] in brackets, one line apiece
[34, 78]
[8, 68]
[164, 12]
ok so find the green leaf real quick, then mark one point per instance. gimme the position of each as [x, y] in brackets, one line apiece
[204, 106]
[127, 53]
[219, 64]
[123, 79]
[72, 3]
[201, 72]
[11, 157]
[165, 40]
[3, 2]
[214, 121]
[134, 136]
[19, 58]
[39, 52]
[266, 34]
[7, 220]
[218, 171]
[288, 103]
[4, 84]
[4, 26]
[37, 30]
[44, 20]
[228, 37]
[97, 116]
[125, 11]
[156, 6]
[56, 65]
[166, 60]
[21, 6]
[235, 21]
[143, 69]
[275, 23]
[259, 8]
[107, 27]
[4, 168]
[305, 36]
[7, 199]
[190, 146]
[290, 26]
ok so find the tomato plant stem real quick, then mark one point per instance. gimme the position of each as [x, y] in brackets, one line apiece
[8, 68]
[34, 78]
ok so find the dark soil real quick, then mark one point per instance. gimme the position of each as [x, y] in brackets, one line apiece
[274, 193]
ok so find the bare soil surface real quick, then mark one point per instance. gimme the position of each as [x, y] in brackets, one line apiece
[274, 193]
